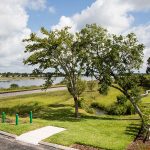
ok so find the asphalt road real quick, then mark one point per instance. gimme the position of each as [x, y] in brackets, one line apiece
[12, 144]
[31, 92]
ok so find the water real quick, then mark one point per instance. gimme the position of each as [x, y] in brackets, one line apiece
[31, 82]
[27, 82]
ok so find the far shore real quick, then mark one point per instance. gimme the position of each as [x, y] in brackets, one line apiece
[18, 78]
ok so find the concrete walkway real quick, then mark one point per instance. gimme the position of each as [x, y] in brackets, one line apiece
[31, 92]
[35, 136]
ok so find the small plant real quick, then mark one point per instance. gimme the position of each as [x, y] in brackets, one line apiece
[121, 107]
[13, 86]
[121, 99]
[86, 105]
[81, 86]
[91, 85]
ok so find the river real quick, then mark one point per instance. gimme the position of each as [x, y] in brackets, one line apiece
[31, 82]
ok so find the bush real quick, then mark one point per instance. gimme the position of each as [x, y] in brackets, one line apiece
[81, 86]
[91, 85]
[121, 99]
[121, 107]
[117, 109]
[14, 86]
[86, 105]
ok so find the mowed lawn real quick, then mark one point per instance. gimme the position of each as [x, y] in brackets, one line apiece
[56, 108]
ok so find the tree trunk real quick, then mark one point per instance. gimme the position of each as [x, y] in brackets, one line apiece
[138, 111]
[76, 107]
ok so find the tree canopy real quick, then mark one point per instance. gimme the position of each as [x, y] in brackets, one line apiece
[112, 60]
[57, 52]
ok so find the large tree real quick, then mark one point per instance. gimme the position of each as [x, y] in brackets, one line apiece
[148, 66]
[112, 59]
[57, 53]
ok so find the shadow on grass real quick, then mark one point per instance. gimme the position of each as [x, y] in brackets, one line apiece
[133, 129]
[59, 112]
[22, 110]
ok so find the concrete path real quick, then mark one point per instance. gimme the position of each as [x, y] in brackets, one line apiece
[35, 136]
[31, 92]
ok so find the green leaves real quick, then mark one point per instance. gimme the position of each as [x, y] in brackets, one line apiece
[109, 58]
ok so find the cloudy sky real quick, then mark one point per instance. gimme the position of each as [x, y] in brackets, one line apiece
[18, 18]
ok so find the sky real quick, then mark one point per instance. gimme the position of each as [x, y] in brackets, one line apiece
[19, 18]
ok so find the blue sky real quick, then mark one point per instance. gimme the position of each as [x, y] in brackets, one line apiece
[62, 8]
[141, 17]
[19, 18]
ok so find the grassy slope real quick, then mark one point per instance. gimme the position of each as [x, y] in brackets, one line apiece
[24, 88]
[146, 99]
[56, 108]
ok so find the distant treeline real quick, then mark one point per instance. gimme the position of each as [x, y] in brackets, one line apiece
[16, 74]
[39, 74]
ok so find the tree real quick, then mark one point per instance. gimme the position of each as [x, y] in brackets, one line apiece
[57, 51]
[13, 86]
[112, 58]
[148, 66]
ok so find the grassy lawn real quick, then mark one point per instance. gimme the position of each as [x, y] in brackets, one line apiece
[146, 99]
[56, 108]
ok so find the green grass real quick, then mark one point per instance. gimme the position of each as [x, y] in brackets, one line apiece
[146, 99]
[56, 108]
[103, 100]
[25, 88]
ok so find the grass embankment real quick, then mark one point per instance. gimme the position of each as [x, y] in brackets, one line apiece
[26, 88]
[56, 108]
[146, 99]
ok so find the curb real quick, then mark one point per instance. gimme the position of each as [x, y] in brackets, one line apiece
[61, 147]
[9, 135]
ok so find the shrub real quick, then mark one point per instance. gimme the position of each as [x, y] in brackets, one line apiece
[81, 86]
[121, 99]
[14, 86]
[116, 109]
[91, 85]
[121, 107]
[86, 105]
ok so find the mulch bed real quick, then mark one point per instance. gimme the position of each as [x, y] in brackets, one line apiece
[84, 147]
[138, 144]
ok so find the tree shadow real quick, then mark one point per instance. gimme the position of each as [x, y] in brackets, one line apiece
[23, 109]
[58, 105]
[59, 112]
[133, 129]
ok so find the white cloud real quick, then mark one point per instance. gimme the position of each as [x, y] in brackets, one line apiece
[111, 14]
[139, 4]
[66, 21]
[115, 15]
[33, 4]
[143, 35]
[51, 10]
[13, 28]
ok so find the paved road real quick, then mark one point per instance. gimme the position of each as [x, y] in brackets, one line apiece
[12, 144]
[31, 92]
